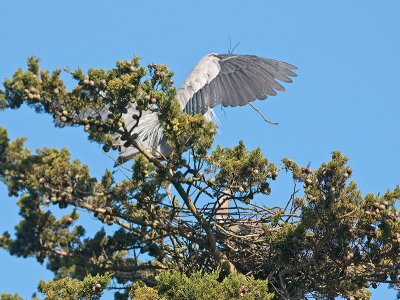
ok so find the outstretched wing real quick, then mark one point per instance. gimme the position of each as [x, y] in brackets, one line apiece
[232, 80]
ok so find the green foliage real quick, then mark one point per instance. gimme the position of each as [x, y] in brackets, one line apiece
[10, 297]
[199, 286]
[90, 288]
[328, 239]
[243, 172]
[2, 100]
[3, 144]
[143, 292]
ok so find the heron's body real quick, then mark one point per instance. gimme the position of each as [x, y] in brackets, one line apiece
[226, 79]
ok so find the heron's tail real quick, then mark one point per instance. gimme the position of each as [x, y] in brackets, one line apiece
[149, 134]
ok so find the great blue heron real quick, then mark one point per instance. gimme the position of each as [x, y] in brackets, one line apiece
[226, 79]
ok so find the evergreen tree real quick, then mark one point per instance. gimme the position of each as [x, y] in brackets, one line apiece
[168, 237]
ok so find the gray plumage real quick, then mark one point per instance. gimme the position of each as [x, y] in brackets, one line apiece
[217, 79]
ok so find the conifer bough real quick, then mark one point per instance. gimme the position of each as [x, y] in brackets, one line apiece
[328, 239]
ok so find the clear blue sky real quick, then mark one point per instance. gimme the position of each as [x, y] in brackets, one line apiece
[345, 97]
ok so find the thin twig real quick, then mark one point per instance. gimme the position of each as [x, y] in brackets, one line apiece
[262, 115]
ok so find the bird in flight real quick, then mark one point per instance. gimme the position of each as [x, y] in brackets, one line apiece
[217, 79]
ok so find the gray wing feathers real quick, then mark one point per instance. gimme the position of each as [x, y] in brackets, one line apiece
[240, 79]
[230, 80]
[201, 75]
